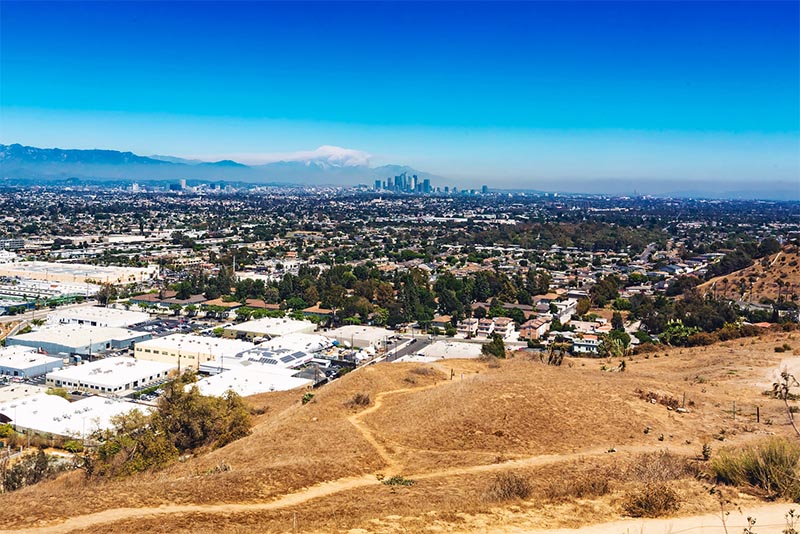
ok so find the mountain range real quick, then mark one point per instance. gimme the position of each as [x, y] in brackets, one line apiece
[323, 166]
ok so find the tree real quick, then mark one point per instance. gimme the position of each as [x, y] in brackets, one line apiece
[617, 323]
[106, 294]
[584, 305]
[496, 347]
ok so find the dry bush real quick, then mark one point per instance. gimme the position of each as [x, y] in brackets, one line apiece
[359, 399]
[661, 466]
[424, 371]
[772, 466]
[509, 486]
[656, 398]
[652, 500]
[582, 486]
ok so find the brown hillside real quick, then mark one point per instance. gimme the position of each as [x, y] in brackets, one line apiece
[321, 461]
[765, 279]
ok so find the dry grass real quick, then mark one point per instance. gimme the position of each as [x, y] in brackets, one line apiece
[574, 412]
[652, 500]
[508, 486]
[762, 278]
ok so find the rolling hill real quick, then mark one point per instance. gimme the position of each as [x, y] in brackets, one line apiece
[318, 467]
[766, 279]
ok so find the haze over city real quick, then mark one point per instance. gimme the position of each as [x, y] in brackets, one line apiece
[654, 97]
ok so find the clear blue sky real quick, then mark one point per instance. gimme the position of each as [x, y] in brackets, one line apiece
[514, 92]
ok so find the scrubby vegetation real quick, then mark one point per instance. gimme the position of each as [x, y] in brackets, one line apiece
[31, 469]
[183, 421]
[509, 486]
[771, 467]
[651, 500]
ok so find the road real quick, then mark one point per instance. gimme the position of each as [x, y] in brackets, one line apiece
[645, 256]
[407, 348]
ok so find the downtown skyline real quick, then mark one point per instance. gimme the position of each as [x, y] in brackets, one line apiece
[520, 94]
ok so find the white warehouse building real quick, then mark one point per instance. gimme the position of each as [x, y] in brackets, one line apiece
[117, 375]
[26, 362]
[98, 316]
[190, 350]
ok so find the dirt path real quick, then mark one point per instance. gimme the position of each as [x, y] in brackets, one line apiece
[770, 518]
[323, 489]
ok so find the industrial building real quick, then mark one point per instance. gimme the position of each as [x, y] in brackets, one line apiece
[361, 336]
[56, 416]
[84, 340]
[268, 327]
[251, 380]
[26, 362]
[189, 351]
[111, 376]
[259, 357]
[98, 316]
[77, 272]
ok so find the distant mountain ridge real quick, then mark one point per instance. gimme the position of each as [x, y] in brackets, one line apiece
[324, 166]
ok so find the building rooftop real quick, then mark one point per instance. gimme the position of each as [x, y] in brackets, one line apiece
[70, 336]
[18, 357]
[199, 344]
[271, 326]
[250, 380]
[51, 414]
[111, 372]
[98, 313]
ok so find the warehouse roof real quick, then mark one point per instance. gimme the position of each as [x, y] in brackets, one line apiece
[250, 380]
[199, 344]
[51, 414]
[271, 326]
[18, 357]
[70, 336]
[111, 372]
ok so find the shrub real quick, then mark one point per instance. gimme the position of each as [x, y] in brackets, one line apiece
[397, 480]
[661, 466]
[31, 469]
[652, 500]
[307, 397]
[424, 371]
[73, 446]
[184, 421]
[509, 486]
[359, 399]
[582, 486]
[771, 466]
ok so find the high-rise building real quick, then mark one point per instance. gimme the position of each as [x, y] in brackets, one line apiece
[426, 185]
[485, 189]
[377, 185]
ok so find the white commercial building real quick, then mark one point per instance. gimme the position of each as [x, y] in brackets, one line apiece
[259, 356]
[301, 342]
[86, 340]
[75, 272]
[98, 316]
[361, 336]
[251, 380]
[26, 362]
[269, 327]
[54, 415]
[190, 350]
[114, 376]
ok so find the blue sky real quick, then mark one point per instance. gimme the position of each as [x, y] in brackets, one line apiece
[510, 92]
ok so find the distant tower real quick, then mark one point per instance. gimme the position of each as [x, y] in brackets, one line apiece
[485, 189]
[426, 185]
[183, 183]
[377, 185]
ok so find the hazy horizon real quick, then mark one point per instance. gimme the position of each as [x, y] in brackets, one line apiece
[513, 94]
